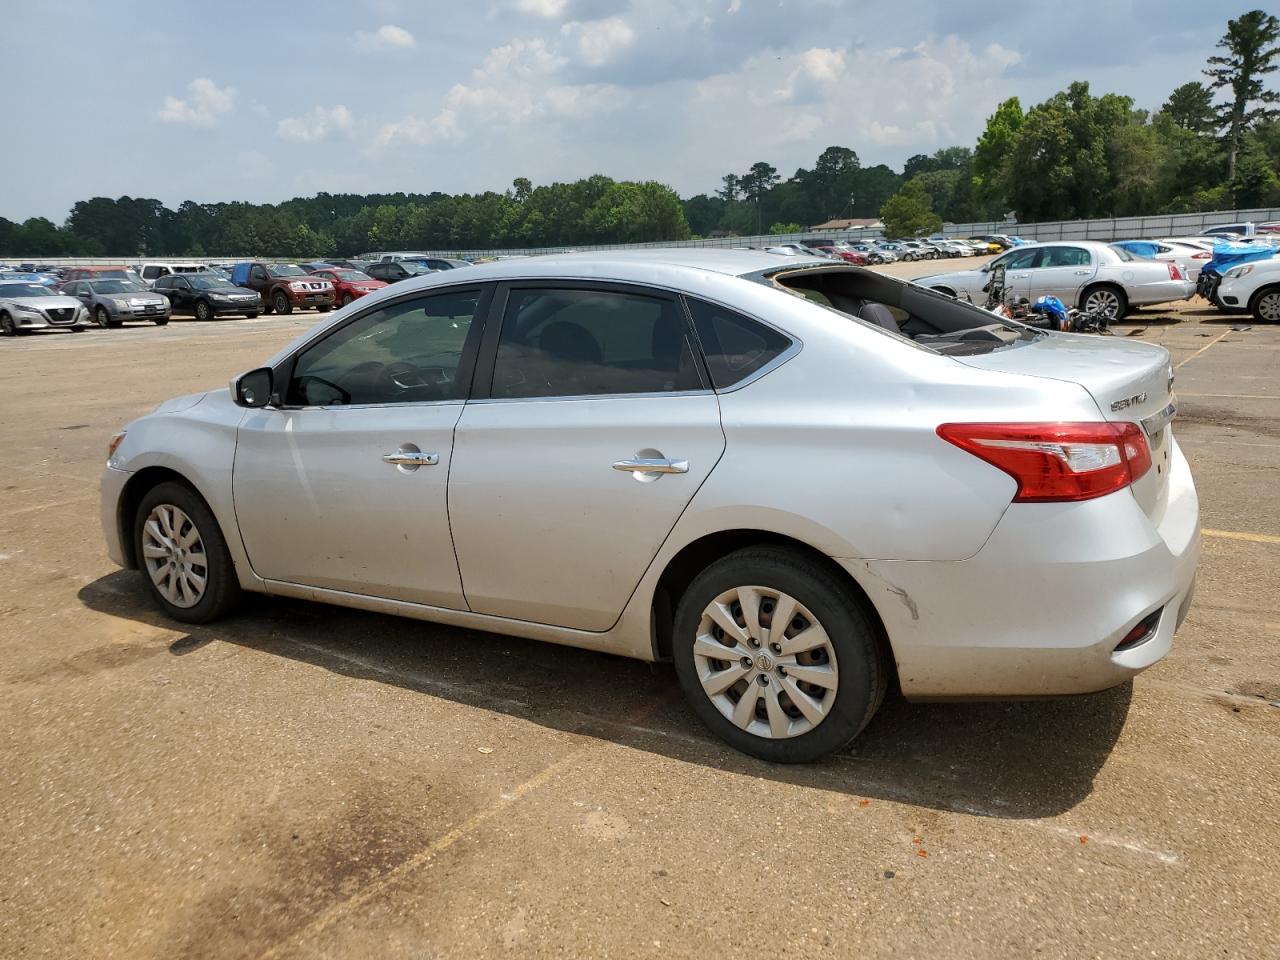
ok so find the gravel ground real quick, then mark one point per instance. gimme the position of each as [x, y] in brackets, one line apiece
[304, 781]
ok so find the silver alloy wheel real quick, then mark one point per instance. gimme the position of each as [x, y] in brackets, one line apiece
[1103, 301]
[104, 320]
[202, 310]
[773, 683]
[1269, 306]
[174, 555]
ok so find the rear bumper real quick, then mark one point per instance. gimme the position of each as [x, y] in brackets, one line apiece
[1162, 291]
[1041, 608]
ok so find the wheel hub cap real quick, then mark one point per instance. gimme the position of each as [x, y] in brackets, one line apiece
[174, 556]
[765, 662]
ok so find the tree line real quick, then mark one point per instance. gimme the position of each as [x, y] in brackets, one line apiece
[1213, 144]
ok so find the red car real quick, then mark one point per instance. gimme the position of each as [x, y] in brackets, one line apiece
[848, 256]
[348, 285]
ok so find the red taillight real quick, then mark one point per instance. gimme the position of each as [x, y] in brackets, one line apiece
[1202, 256]
[1174, 272]
[1057, 461]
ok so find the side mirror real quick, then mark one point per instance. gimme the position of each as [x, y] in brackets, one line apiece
[253, 389]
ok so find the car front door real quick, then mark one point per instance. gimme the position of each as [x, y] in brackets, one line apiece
[342, 483]
[590, 429]
[1061, 271]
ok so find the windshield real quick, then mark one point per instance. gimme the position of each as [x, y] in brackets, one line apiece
[114, 275]
[210, 282]
[117, 286]
[25, 290]
[285, 270]
[352, 276]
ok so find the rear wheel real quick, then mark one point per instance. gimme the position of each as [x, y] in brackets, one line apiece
[1265, 305]
[777, 656]
[1106, 301]
[281, 304]
[183, 556]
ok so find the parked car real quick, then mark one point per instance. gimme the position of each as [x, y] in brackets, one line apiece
[620, 486]
[1004, 243]
[101, 273]
[151, 272]
[1095, 276]
[349, 285]
[21, 276]
[1190, 259]
[1255, 287]
[208, 295]
[112, 302]
[869, 251]
[28, 306]
[284, 287]
[393, 271]
[834, 249]
[361, 265]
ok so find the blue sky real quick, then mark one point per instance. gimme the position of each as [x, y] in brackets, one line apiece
[268, 100]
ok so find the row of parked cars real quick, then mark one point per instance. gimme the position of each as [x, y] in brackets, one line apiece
[34, 297]
[873, 252]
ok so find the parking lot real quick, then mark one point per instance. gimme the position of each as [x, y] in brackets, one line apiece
[306, 781]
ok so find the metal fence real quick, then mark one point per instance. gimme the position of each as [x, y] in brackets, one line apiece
[1116, 228]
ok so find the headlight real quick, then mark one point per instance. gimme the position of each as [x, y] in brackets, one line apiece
[1235, 273]
[220, 297]
[26, 308]
[114, 445]
[297, 286]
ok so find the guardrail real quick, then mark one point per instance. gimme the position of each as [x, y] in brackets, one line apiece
[1115, 228]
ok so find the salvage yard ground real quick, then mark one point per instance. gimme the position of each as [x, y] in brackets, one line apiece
[304, 781]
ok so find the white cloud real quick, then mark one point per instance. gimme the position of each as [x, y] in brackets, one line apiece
[443, 127]
[600, 41]
[206, 101]
[386, 37]
[320, 123]
[541, 8]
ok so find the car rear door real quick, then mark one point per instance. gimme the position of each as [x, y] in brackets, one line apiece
[1062, 271]
[342, 483]
[591, 427]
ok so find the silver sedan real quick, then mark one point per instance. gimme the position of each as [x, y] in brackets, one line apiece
[1096, 277]
[800, 481]
[112, 302]
[28, 306]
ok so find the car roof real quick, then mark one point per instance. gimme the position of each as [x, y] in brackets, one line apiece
[638, 264]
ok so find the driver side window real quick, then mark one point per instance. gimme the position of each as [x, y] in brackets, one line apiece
[407, 352]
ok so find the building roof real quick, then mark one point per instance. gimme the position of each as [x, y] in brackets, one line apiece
[854, 224]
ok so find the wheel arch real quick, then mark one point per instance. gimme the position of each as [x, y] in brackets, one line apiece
[697, 555]
[146, 479]
[1092, 285]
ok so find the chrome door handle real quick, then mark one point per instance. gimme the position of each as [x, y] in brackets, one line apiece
[652, 465]
[1083, 273]
[411, 458]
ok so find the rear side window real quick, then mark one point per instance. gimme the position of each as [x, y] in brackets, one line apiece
[1065, 257]
[735, 346]
[574, 343]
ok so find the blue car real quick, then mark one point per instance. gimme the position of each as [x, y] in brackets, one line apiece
[23, 276]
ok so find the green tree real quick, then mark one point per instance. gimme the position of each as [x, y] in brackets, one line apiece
[909, 212]
[777, 229]
[1190, 107]
[1252, 49]
[992, 153]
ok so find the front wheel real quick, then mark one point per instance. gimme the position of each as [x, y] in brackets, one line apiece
[282, 304]
[324, 307]
[160, 321]
[1106, 301]
[251, 316]
[104, 318]
[346, 299]
[777, 656]
[1266, 306]
[183, 556]
[203, 310]
[8, 326]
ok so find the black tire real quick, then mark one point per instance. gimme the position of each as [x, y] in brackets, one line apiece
[78, 328]
[1265, 305]
[346, 299]
[104, 319]
[324, 307]
[281, 304]
[1121, 301]
[266, 305]
[7, 326]
[203, 310]
[855, 635]
[251, 316]
[222, 591]
[160, 321]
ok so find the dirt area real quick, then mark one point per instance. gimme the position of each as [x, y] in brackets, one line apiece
[304, 781]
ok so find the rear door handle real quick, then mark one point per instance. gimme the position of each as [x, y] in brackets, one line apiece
[1083, 273]
[411, 458]
[652, 465]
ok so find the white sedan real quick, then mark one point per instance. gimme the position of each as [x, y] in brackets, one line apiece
[800, 481]
[1096, 277]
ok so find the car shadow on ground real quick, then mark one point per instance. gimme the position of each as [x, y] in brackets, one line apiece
[1005, 760]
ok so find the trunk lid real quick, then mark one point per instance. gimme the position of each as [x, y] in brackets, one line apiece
[1129, 381]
